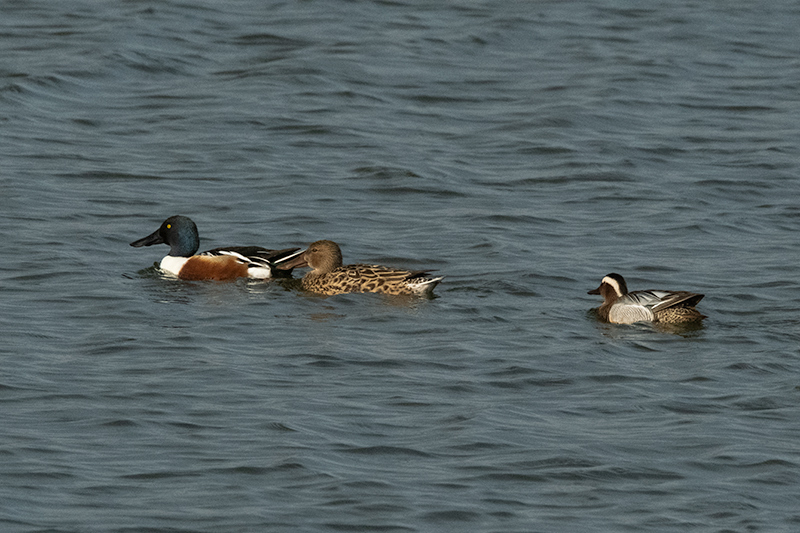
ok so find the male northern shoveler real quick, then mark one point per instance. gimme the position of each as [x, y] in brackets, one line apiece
[230, 262]
[623, 307]
[330, 277]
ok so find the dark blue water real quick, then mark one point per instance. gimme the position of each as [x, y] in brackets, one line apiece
[524, 150]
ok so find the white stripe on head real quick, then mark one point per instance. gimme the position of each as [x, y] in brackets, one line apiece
[608, 280]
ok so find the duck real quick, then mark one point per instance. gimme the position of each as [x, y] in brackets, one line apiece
[220, 264]
[623, 307]
[330, 277]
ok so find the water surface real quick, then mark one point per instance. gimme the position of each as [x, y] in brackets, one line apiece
[523, 150]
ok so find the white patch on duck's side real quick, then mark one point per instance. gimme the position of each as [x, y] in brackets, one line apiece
[628, 314]
[259, 272]
[173, 264]
[613, 283]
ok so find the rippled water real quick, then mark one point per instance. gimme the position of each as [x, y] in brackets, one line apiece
[522, 149]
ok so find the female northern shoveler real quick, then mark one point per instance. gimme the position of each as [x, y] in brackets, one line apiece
[623, 307]
[330, 277]
[230, 262]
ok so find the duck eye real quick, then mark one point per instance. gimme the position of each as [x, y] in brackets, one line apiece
[169, 226]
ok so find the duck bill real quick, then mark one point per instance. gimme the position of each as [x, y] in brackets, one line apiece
[153, 238]
[595, 291]
[296, 260]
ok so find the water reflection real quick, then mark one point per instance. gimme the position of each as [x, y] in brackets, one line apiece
[628, 331]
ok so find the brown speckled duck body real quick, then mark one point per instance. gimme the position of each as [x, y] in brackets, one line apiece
[665, 307]
[329, 276]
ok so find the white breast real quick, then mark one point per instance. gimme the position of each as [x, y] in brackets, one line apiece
[173, 264]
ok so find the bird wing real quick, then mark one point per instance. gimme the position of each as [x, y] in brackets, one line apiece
[252, 255]
[657, 300]
[388, 274]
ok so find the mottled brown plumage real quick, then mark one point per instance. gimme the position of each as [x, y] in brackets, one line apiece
[329, 276]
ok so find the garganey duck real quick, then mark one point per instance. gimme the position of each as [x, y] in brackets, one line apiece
[623, 307]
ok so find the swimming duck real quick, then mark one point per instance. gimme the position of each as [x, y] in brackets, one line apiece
[329, 276]
[623, 307]
[226, 263]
